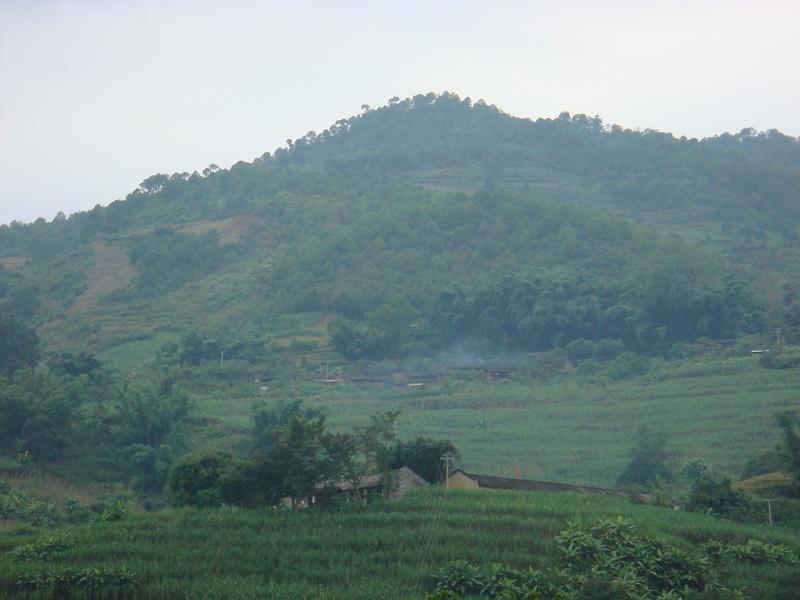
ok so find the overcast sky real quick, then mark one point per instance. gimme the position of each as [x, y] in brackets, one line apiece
[97, 96]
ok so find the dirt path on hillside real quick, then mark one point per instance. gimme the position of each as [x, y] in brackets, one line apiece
[13, 263]
[111, 271]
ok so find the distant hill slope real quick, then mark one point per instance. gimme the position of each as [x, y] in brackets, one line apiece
[441, 211]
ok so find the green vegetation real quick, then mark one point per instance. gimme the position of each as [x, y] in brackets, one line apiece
[130, 433]
[228, 339]
[294, 456]
[564, 427]
[611, 560]
[168, 259]
[19, 346]
[386, 549]
[358, 222]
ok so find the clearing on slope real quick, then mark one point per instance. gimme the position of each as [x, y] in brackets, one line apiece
[111, 271]
[13, 263]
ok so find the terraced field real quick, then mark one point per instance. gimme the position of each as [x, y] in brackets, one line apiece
[386, 550]
[572, 429]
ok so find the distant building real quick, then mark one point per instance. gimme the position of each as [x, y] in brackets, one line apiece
[424, 379]
[367, 379]
[402, 480]
[497, 373]
[407, 379]
[469, 481]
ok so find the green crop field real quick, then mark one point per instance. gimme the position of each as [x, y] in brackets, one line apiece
[385, 550]
[574, 429]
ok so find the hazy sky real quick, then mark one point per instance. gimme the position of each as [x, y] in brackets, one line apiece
[97, 96]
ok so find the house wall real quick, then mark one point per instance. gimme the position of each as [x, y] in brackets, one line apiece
[404, 483]
[459, 481]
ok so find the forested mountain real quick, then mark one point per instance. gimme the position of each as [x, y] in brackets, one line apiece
[427, 222]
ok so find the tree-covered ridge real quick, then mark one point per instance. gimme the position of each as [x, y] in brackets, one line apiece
[343, 222]
[750, 177]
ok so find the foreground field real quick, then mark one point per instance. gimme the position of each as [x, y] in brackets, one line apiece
[572, 428]
[386, 550]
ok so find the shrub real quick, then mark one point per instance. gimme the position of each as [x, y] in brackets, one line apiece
[716, 497]
[94, 581]
[45, 549]
[648, 464]
[608, 561]
[787, 359]
[17, 505]
[753, 551]
[115, 512]
[207, 480]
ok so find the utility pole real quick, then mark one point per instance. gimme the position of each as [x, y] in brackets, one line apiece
[221, 359]
[778, 340]
[769, 508]
[447, 459]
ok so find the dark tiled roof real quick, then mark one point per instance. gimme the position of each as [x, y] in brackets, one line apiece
[505, 483]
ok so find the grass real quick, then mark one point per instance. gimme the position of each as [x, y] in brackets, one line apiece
[46, 486]
[386, 550]
[572, 429]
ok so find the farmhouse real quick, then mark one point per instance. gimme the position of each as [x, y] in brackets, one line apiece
[496, 373]
[424, 379]
[467, 481]
[402, 480]
[406, 379]
[367, 379]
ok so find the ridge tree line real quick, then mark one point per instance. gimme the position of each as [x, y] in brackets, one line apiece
[749, 177]
[294, 455]
[746, 177]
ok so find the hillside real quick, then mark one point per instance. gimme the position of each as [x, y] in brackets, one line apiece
[422, 235]
[525, 235]
[554, 299]
[386, 550]
[574, 428]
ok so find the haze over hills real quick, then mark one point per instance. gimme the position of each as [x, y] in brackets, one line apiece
[435, 211]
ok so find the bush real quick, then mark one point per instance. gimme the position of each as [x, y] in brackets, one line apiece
[93, 581]
[716, 497]
[787, 359]
[45, 549]
[648, 465]
[579, 350]
[16, 505]
[627, 365]
[768, 462]
[207, 480]
[610, 560]
[753, 551]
